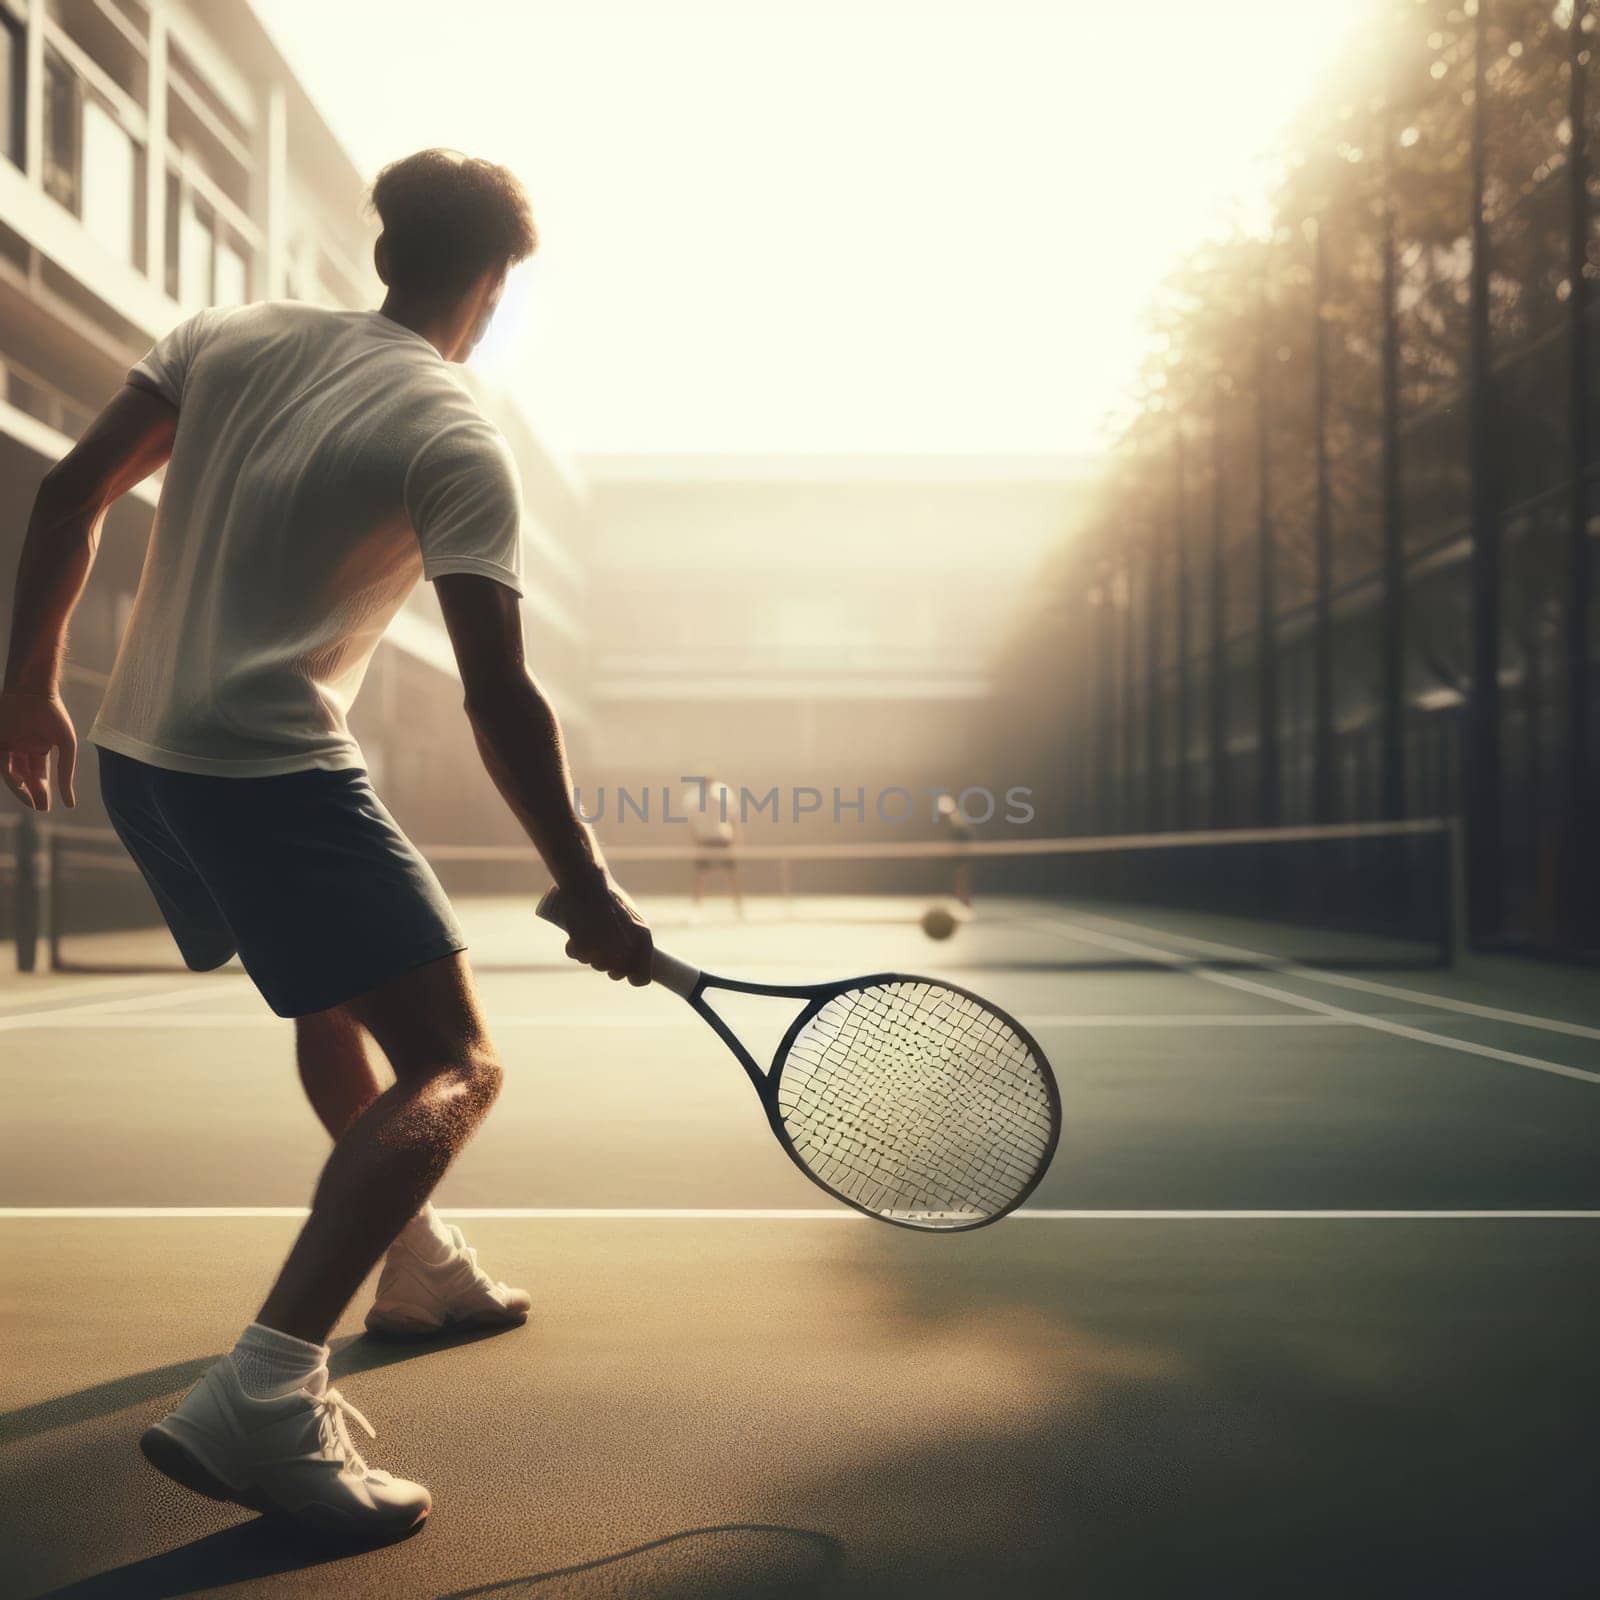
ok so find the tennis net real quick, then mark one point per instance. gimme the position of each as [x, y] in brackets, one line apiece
[1347, 895]
[1350, 895]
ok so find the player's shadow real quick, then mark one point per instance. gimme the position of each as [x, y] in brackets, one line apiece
[101, 1399]
[366, 1352]
[351, 1354]
[733, 1561]
[730, 1561]
[260, 1548]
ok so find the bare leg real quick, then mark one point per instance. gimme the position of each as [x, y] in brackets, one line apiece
[338, 1069]
[389, 1160]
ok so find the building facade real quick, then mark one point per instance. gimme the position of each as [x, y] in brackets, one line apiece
[807, 623]
[157, 157]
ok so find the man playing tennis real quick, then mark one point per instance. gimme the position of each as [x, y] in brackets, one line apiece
[318, 464]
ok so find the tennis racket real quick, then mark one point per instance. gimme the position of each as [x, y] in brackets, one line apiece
[911, 1100]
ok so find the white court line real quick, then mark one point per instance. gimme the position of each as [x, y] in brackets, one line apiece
[1205, 1019]
[24, 993]
[1344, 980]
[1399, 1030]
[67, 1015]
[265, 1019]
[835, 1214]
[125, 1021]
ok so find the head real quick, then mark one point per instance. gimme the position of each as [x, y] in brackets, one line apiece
[453, 227]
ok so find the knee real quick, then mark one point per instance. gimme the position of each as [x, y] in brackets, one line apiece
[484, 1076]
[471, 1079]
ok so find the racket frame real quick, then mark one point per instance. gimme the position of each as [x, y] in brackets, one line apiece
[765, 1081]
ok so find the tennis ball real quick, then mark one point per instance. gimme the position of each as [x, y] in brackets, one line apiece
[938, 922]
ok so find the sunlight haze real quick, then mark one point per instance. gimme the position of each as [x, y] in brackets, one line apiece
[865, 226]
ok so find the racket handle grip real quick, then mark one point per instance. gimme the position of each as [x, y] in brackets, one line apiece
[671, 973]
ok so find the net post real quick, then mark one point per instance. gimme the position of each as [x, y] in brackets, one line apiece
[27, 892]
[50, 907]
[1455, 912]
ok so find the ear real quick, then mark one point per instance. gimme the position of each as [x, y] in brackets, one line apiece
[485, 293]
[380, 258]
[493, 284]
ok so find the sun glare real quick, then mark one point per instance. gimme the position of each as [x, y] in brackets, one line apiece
[832, 226]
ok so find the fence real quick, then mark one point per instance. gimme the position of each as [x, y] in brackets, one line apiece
[1342, 566]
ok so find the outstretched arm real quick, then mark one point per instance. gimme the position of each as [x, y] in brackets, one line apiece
[519, 738]
[130, 438]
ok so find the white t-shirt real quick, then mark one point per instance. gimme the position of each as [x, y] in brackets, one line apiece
[324, 461]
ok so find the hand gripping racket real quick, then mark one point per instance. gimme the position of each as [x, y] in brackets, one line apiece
[914, 1101]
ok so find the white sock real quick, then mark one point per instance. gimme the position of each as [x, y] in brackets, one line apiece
[269, 1362]
[428, 1237]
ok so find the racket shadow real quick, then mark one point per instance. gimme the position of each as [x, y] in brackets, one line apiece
[727, 1561]
[677, 1566]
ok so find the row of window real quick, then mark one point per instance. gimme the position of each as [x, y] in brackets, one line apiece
[96, 168]
[11, 55]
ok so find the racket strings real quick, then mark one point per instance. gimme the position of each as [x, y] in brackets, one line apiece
[917, 1103]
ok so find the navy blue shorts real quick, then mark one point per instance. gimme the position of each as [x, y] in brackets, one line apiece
[305, 876]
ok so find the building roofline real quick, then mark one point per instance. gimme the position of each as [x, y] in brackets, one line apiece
[237, 23]
[604, 467]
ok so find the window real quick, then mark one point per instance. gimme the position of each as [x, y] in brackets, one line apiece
[11, 91]
[174, 214]
[62, 119]
[195, 243]
[110, 183]
[233, 272]
[92, 164]
[207, 263]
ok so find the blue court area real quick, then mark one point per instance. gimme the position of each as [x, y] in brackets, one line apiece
[1306, 1304]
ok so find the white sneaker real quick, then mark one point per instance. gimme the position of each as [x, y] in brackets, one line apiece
[289, 1454]
[418, 1297]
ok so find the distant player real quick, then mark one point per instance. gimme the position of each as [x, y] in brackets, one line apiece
[710, 805]
[318, 464]
[956, 828]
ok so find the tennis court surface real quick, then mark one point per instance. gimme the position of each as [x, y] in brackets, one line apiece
[1307, 1303]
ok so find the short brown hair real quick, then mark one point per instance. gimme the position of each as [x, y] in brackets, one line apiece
[447, 219]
